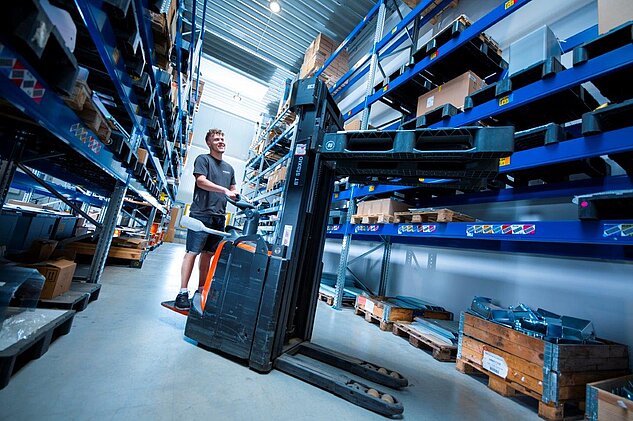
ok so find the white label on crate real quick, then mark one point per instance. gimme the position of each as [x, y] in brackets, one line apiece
[430, 101]
[369, 306]
[287, 234]
[300, 149]
[495, 364]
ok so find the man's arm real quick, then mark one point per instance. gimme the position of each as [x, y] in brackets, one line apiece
[205, 184]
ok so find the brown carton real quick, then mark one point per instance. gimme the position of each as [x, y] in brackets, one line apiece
[381, 207]
[452, 92]
[41, 250]
[142, 155]
[58, 274]
[613, 13]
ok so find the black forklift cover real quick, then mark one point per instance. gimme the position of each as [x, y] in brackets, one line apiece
[260, 300]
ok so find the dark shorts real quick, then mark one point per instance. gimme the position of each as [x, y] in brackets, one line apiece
[199, 241]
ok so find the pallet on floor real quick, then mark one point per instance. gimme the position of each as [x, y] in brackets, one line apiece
[69, 300]
[548, 411]
[328, 299]
[555, 374]
[440, 351]
[15, 355]
[371, 318]
[439, 215]
[87, 287]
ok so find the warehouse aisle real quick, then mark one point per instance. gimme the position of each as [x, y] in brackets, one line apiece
[126, 358]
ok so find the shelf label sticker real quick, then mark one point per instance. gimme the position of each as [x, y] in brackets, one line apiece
[384, 89]
[435, 54]
[21, 77]
[617, 230]
[505, 100]
[333, 228]
[81, 133]
[369, 306]
[285, 241]
[501, 229]
[408, 229]
[504, 161]
[509, 4]
[301, 149]
[336, 195]
[495, 364]
[366, 228]
[116, 55]
[372, 188]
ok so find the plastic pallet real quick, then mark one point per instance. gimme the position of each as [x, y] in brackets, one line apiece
[87, 287]
[21, 352]
[70, 300]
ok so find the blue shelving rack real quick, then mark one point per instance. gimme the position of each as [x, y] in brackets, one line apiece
[609, 239]
[44, 133]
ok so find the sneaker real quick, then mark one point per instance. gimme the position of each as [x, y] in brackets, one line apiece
[182, 301]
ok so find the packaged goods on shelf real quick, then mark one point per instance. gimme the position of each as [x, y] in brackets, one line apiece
[613, 13]
[452, 92]
[317, 54]
[381, 207]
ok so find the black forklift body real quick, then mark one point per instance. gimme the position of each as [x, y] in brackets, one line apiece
[261, 301]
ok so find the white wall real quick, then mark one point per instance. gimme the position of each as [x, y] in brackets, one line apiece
[238, 133]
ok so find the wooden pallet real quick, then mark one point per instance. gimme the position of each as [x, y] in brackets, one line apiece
[371, 318]
[35, 345]
[133, 256]
[440, 351]
[69, 300]
[328, 299]
[549, 411]
[440, 215]
[372, 219]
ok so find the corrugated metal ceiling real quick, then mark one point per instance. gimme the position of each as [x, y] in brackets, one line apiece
[247, 36]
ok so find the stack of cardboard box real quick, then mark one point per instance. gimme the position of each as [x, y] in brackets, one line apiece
[316, 55]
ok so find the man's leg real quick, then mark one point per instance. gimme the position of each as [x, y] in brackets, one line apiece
[203, 265]
[187, 267]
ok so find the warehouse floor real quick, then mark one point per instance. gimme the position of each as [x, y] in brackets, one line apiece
[126, 358]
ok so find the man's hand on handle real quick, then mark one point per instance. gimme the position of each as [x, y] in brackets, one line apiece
[231, 194]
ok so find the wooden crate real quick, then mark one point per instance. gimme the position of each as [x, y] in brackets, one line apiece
[552, 373]
[605, 406]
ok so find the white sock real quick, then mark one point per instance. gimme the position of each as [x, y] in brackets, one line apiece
[184, 290]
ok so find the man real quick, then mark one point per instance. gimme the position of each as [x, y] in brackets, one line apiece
[215, 181]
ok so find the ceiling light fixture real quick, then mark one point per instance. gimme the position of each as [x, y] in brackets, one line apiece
[274, 6]
[237, 97]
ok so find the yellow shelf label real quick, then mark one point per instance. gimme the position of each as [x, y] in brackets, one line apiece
[372, 188]
[504, 161]
[504, 101]
[509, 4]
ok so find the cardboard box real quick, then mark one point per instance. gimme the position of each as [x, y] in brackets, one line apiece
[381, 207]
[171, 228]
[142, 155]
[355, 124]
[58, 274]
[602, 404]
[452, 92]
[613, 13]
[41, 250]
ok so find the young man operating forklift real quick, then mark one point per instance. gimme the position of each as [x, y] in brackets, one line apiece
[215, 182]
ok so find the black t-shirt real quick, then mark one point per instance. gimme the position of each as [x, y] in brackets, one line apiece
[206, 203]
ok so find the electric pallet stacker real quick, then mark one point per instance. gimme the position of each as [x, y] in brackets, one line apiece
[260, 299]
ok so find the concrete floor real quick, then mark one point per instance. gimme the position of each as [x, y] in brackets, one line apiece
[126, 358]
